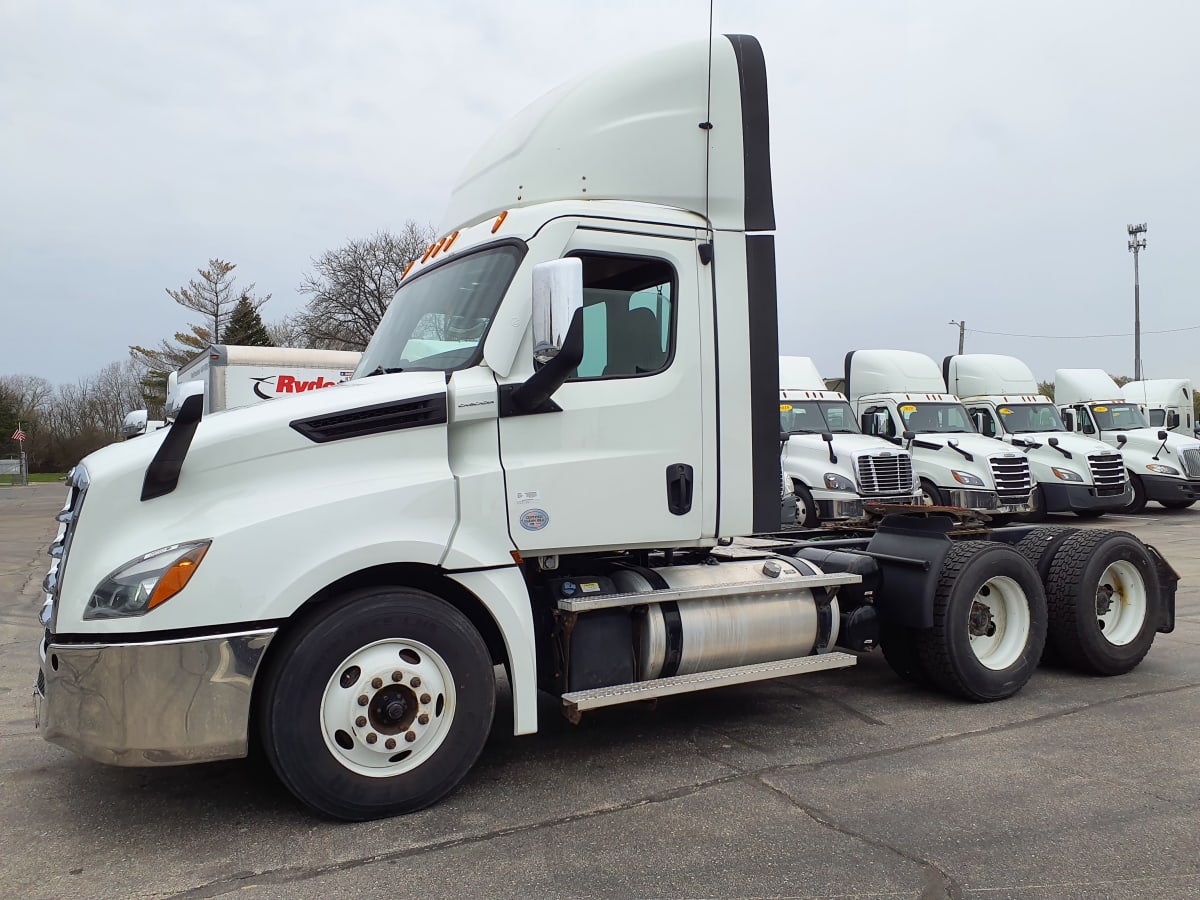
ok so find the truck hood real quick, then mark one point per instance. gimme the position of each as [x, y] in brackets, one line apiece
[855, 444]
[1146, 440]
[976, 444]
[1075, 444]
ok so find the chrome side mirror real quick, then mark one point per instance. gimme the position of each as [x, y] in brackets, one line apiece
[557, 296]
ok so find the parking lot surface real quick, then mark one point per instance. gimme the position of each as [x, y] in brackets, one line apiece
[848, 783]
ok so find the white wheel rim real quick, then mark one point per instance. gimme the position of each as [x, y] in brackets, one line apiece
[801, 508]
[387, 708]
[1121, 603]
[999, 623]
[926, 500]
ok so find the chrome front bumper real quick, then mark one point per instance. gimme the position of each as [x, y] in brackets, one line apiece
[159, 703]
[988, 501]
[832, 510]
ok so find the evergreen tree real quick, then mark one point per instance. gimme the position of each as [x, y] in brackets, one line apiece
[246, 327]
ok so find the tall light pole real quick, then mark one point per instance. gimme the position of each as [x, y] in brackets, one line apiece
[1135, 246]
[962, 329]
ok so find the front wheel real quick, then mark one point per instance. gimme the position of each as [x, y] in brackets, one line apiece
[989, 622]
[378, 705]
[806, 507]
[1176, 504]
[1138, 502]
[930, 495]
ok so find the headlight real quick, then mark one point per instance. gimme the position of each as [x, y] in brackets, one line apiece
[1065, 474]
[146, 582]
[836, 482]
[967, 478]
[1162, 470]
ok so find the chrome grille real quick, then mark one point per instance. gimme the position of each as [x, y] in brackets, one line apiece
[1108, 474]
[1191, 462]
[884, 474]
[77, 482]
[1012, 476]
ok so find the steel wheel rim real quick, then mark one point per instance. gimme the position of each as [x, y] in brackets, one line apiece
[1121, 603]
[409, 705]
[802, 510]
[1002, 604]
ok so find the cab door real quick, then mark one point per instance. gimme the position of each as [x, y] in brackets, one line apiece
[622, 463]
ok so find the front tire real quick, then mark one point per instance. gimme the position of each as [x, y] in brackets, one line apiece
[1138, 502]
[1175, 504]
[806, 507]
[930, 495]
[379, 704]
[989, 622]
[1103, 595]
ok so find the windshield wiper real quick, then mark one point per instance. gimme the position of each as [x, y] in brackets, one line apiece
[382, 370]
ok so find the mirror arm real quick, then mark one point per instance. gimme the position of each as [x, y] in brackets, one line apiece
[541, 385]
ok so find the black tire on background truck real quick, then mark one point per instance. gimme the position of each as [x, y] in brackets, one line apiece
[378, 704]
[989, 622]
[1103, 599]
[1138, 502]
[806, 508]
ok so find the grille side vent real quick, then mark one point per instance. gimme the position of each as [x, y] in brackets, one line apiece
[377, 419]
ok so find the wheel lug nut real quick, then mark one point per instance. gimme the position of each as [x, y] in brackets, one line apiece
[377, 683]
[372, 738]
[361, 722]
[410, 736]
[423, 719]
[390, 743]
[397, 676]
[425, 698]
[416, 682]
[363, 700]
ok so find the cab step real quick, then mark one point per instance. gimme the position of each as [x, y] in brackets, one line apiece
[576, 702]
[706, 592]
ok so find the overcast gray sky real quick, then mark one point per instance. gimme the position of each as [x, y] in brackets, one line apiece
[932, 161]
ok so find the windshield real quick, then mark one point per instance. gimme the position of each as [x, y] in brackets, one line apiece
[816, 416]
[1027, 417]
[437, 321]
[1118, 417]
[935, 418]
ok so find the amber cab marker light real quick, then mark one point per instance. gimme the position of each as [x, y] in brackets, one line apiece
[175, 579]
[499, 221]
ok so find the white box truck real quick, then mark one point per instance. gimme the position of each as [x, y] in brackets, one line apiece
[1165, 402]
[833, 467]
[900, 395]
[1074, 473]
[1163, 466]
[338, 573]
[229, 376]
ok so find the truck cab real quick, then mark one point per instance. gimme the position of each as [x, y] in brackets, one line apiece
[900, 395]
[1163, 466]
[834, 468]
[1074, 473]
[1165, 402]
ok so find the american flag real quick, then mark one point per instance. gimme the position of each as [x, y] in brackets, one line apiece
[18, 435]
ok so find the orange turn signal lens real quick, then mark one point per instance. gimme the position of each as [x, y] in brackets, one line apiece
[499, 221]
[175, 579]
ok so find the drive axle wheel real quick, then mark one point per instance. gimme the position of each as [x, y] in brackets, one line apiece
[378, 704]
[1102, 593]
[989, 622]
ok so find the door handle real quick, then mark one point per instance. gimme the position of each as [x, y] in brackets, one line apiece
[679, 488]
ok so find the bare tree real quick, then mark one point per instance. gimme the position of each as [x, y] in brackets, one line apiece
[154, 363]
[215, 295]
[287, 332]
[352, 286]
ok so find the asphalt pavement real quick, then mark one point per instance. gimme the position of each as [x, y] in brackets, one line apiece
[848, 783]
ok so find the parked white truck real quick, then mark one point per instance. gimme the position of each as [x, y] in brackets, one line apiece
[1163, 466]
[229, 376]
[339, 572]
[1074, 473]
[1165, 402]
[900, 395]
[833, 467]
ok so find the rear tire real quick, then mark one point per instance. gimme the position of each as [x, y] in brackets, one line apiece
[378, 704]
[1138, 503]
[989, 622]
[1040, 545]
[1103, 600]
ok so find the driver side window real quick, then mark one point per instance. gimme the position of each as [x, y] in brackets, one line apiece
[982, 417]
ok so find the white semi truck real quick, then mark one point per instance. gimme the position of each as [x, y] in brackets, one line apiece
[1165, 402]
[229, 376]
[1163, 466]
[1074, 473]
[339, 573]
[900, 395]
[833, 467]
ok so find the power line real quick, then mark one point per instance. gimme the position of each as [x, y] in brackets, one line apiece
[1081, 337]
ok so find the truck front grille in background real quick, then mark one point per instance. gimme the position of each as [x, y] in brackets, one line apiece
[1191, 462]
[884, 475]
[1013, 480]
[77, 482]
[1108, 472]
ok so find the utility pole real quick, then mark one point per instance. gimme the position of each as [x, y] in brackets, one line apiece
[962, 330]
[1136, 245]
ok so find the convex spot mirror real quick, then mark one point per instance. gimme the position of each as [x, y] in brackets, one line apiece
[557, 296]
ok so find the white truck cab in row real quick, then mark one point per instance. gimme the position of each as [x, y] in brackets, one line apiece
[1163, 466]
[900, 395]
[1074, 473]
[833, 467]
[1165, 402]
